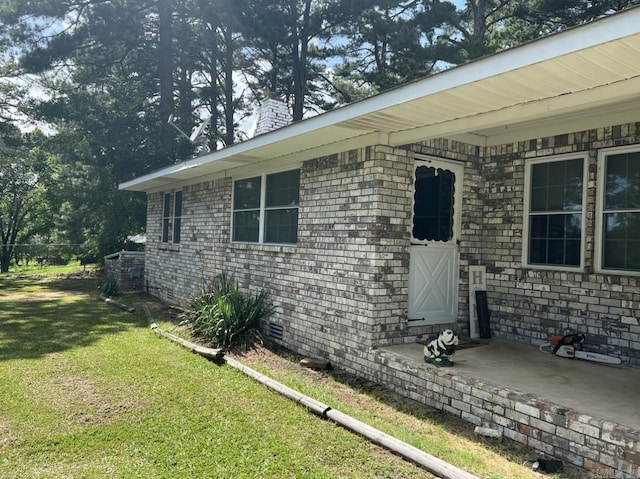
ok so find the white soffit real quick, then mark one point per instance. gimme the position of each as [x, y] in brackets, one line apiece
[581, 78]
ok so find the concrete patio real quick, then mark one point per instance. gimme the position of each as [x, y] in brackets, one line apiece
[579, 411]
[608, 392]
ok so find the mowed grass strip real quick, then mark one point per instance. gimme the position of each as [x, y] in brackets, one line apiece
[89, 391]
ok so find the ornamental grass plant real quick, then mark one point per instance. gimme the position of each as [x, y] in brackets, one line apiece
[222, 315]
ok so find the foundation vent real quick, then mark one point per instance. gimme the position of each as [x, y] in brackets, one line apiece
[275, 331]
[171, 295]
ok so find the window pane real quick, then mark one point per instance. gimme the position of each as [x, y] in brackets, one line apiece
[165, 230]
[177, 211]
[433, 204]
[283, 189]
[572, 252]
[281, 226]
[623, 181]
[166, 211]
[573, 226]
[555, 239]
[622, 241]
[538, 227]
[166, 216]
[555, 253]
[556, 226]
[539, 199]
[537, 251]
[556, 186]
[246, 226]
[246, 193]
[176, 230]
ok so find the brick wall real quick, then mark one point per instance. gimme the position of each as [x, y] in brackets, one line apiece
[334, 287]
[347, 276]
[176, 272]
[127, 267]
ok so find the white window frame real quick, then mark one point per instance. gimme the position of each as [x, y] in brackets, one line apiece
[171, 217]
[601, 188]
[263, 208]
[526, 213]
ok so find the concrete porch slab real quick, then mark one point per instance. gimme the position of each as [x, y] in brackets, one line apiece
[611, 393]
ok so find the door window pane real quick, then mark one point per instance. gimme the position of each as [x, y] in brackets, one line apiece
[433, 204]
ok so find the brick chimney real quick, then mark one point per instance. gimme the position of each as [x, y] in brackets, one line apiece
[272, 114]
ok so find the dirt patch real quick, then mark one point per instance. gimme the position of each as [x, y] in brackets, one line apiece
[82, 400]
[52, 288]
[41, 296]
[6, 436]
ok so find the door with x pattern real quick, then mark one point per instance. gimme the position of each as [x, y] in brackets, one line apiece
[434, 252]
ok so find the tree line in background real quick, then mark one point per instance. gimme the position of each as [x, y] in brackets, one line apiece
[100, 78]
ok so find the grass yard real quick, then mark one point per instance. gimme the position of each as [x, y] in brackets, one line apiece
[88, 391]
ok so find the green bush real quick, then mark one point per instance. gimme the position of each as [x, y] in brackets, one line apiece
[109, 286]
[224, 316]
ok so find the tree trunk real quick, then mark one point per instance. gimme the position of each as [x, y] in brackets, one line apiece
[5, 258]
[229, 109]
[299, 49]
[478, 42]
[165, 72]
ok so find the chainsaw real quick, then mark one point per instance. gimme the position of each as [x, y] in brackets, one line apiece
[570, 346]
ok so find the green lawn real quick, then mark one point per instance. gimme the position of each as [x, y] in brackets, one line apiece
[89, 391]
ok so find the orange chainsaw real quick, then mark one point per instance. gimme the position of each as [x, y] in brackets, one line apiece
[570, 346]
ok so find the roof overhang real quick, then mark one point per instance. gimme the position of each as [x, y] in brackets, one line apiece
[582, 78]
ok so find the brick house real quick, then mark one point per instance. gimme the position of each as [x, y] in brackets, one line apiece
[363, 222]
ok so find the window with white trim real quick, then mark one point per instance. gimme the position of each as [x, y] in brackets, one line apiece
[265, 208]
[554, 212]
[619, 210]
[171, 217]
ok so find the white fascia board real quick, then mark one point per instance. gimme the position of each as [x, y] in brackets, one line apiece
[583, 37]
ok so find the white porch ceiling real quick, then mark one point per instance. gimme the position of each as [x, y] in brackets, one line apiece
[582, 78]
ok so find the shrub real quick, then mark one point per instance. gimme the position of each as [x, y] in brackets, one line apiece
[109, 286]
[224, 316]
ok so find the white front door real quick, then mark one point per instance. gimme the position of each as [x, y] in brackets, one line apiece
[433, 267]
